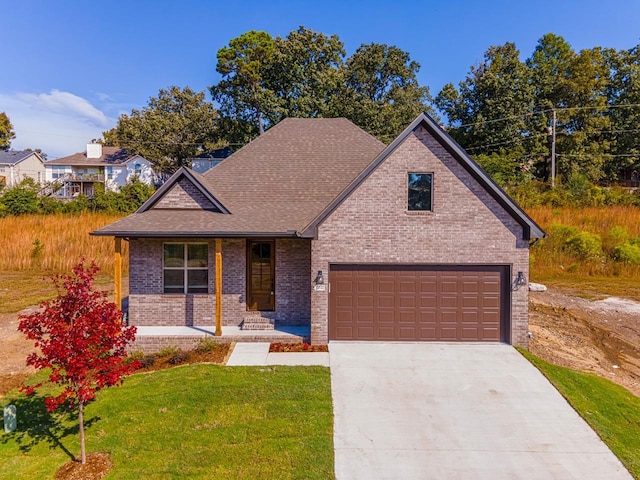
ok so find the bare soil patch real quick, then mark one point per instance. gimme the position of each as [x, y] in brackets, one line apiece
[600, 336]
[15, 348]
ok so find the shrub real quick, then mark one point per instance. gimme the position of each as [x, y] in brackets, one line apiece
[206, 344]
[627, 253]
[167, 352]
[21, 199]
[585, 245]
[147, 361]
[178, 357]
[37, 253]
[616, 236]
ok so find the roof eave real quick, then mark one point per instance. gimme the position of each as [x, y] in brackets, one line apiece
[209, 234]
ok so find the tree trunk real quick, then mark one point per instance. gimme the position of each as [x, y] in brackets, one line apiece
[83, 452]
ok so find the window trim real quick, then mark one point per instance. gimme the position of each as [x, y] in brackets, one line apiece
[185, 268]
[430, 209]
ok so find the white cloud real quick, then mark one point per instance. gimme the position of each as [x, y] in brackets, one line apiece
[65, 103]
[60, 123]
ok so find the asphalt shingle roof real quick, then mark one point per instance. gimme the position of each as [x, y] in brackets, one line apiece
[11, 157]
[277, 184]
[110, 156]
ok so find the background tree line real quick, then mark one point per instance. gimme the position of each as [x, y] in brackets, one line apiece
[501, 112]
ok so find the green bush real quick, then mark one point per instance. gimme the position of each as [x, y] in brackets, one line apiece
[167, 352]
[206, 344]
[616, 236]
[585, 245]
[627, 253]
[21, 199]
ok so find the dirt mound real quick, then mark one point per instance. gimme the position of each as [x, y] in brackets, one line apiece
[600, 336]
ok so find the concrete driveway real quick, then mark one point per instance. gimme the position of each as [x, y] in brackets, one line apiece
[456, 411]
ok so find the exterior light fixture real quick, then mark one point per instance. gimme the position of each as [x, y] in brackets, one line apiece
[519, 281]
[319, 280]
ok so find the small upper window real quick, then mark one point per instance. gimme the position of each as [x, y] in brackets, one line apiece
[420, 195]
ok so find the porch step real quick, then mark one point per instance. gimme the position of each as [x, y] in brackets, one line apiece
[257, 323]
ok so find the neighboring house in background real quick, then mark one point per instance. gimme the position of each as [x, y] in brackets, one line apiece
[16, 165]
[318, 227]
[112, 166]
[206, 161]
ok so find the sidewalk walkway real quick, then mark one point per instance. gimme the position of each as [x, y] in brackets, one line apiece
[257, 354]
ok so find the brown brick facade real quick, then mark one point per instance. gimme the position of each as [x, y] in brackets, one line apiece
[466, 226]
[150, 307]
[185, 194]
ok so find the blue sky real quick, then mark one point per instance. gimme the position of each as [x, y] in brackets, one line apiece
[70, 68]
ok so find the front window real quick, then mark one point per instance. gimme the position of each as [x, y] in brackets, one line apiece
[137, 168]
[420, 192]
[186, 268]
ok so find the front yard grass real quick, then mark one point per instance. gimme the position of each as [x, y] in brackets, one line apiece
[196, 421]
[611, 410]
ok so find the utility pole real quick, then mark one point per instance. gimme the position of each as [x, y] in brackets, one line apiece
[553, 149]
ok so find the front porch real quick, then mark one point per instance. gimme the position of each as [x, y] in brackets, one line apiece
[151, 339]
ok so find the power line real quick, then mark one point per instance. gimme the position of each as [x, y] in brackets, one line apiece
[559, 109]
[519, 139]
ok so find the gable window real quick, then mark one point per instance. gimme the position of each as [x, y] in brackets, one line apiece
[420, 192]
[137, 168]
[186, 268]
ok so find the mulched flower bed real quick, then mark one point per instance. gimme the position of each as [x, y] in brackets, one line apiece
[172, 357]
[296, 347]
[97, 466]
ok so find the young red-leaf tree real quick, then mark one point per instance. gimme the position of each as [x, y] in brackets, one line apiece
[81, 338]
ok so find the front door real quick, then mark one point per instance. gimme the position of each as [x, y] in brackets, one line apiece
[260, 275]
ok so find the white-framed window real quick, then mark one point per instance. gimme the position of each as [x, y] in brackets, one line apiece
[57, 172]
[420, 192]
[109, 172]
[185, 268]
[137, 169]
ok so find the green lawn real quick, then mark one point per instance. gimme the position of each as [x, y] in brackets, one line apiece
[198, 421]
[611, 410]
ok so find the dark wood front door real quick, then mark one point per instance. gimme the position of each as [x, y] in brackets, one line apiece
[261, 275]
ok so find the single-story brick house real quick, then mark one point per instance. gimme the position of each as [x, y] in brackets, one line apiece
[317, 224]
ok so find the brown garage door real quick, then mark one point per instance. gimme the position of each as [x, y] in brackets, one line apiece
[418, 302]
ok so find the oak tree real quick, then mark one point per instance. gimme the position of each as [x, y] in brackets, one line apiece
[176, 125]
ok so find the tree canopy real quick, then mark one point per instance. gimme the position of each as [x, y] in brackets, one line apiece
[305, 74]
[504, 108]
[176, 125]
[6, 132]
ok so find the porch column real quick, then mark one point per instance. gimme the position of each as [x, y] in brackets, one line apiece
[117, 273]
[218, 287]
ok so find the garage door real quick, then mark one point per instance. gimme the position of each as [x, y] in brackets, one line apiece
[418, 303]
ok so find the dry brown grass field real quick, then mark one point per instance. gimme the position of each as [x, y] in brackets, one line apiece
[552, 264]
[37, 246]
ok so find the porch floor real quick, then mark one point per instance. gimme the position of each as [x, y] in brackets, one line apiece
[284, 333]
